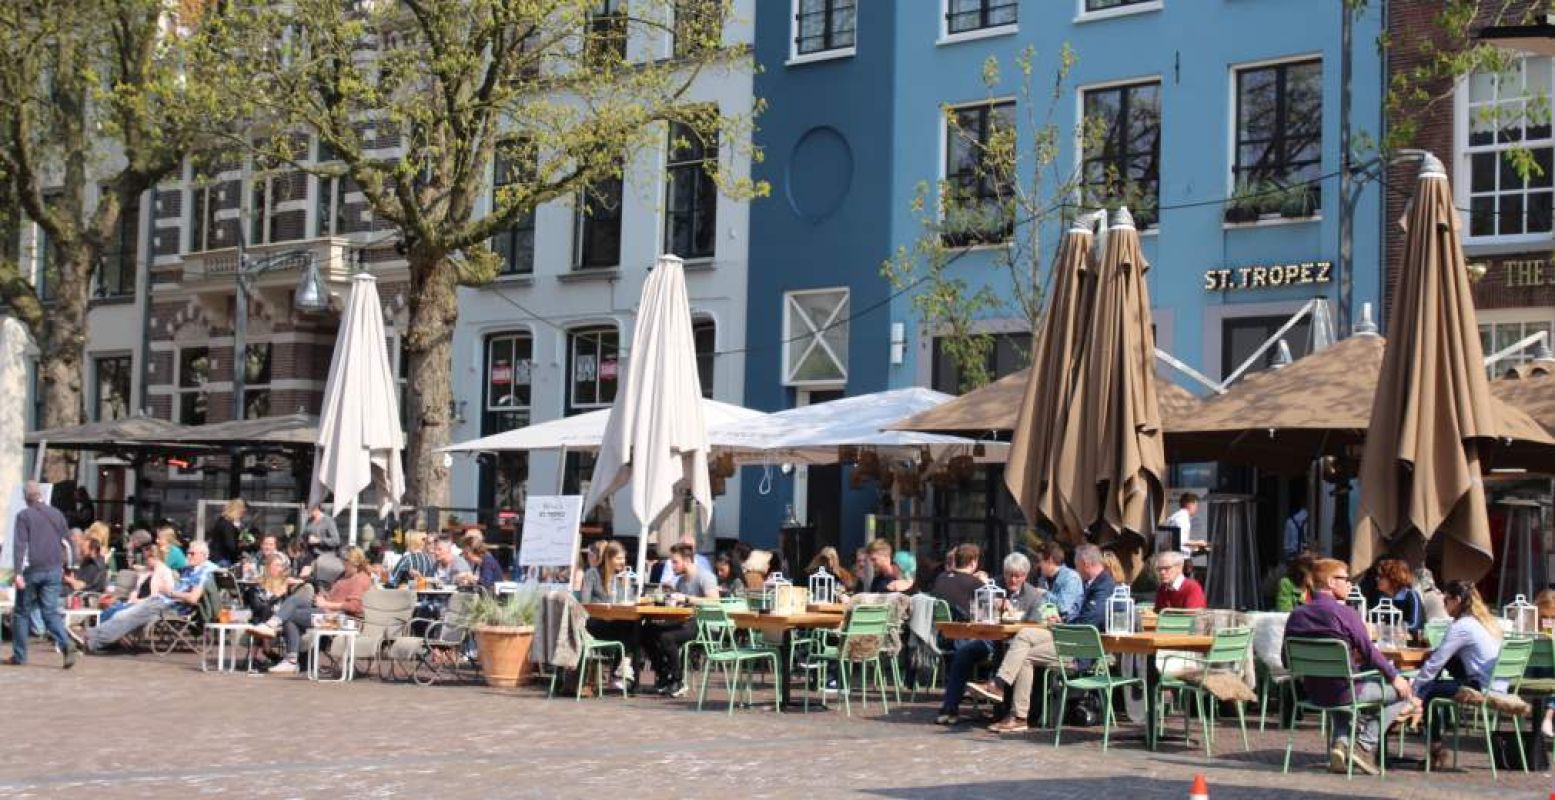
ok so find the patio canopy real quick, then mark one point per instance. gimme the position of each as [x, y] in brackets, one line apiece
[584, 432]
[992, 409]
[1533, 392]
[812, 434]
[137, 432]
[292, 431]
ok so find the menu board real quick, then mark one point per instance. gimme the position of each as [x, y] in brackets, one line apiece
[550, 544]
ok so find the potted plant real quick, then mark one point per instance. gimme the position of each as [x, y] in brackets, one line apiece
[504, 630]
[1243, 206]
[1296, 202]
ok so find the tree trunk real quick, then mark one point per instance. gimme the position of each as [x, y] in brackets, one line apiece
[434, 308]
[62, 354]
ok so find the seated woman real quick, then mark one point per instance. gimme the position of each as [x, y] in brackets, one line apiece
[172, 555]
[1545, 601]
[488, 573]
[828, 558]
[1292, 590]
[295, 613]
[275, 582]
[1468, 652]
[598, 584]
[1396, 582]
[730, 580]
[156, 578]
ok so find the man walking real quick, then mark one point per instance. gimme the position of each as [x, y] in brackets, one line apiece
[38, 556]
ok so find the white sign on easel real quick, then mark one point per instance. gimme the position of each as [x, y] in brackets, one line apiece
[550, 545]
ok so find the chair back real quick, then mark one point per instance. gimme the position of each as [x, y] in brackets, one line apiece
[715, 630]
[209, 607]
[1318, 658]
[869, 620]
[1513, 661]
[942, 611]
[124, 582]
[734, 604]
[1229, 649]
[1075, 643]
[1543, 655]
[1175, 620]
[1435, 630]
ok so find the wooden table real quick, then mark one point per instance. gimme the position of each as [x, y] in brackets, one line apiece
[1407, 657]
[1145, 646]
[985, 631]
[613, 612]
[828, 608]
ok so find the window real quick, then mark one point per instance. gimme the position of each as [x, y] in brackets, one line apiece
[116, 270]
[823, 25]
[516, 245]
[1497, 336]
[1240, 336]
[329, 202]
[604, 40]
[256, 381]
[278, 209]
[979, 152]
[1279, 135]
[593, 364]
[963, 16]
[1123, 166]
[1508, 116]
[194, 371]
[599, 223]
[704, 332]
[509, 359]
[1011, 353]
[209, 229]
[698, 26]
[691, 204]
[1108, 5]
[110, 388]
[815, 336]
[46, 279]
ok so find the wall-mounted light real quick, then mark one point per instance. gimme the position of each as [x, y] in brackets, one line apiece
[898, 343]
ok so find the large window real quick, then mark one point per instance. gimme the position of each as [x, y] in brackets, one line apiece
[593, 368]
[691, 205]
[963, 16]
[604, 40]
[1241, 336]
[194, 371]
[705, 334]
[116, 271]
[979, 155]
[509, 363]
[1498, 335]
[1011, 353]
[599, 224]
[1279, 135]
[1123, 165]
[46, 279]
[278, 208]
[110, 387]
[815, 336]
[256, 381]
[515, 245]
[209, 229]
[1508, 117]
[824, 25]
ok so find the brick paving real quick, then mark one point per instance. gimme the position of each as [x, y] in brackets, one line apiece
[142, 726]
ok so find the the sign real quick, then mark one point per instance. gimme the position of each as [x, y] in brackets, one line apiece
[550, 544]
[608, 368]
[584, 370]
[501, 375]
[1230, 279]
[1526, 273]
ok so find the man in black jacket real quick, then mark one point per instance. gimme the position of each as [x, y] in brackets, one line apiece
[38, 557]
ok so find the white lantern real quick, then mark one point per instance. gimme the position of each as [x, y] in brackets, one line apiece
[1120, 611]
[1522, 615]
[1388, 620]
[823, 587]
[1357, 601]
[987, 603]
[623, 588]
[769, 589]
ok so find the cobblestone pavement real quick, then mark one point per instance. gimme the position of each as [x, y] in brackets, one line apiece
[141, 726]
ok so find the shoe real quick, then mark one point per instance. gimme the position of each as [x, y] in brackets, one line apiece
[71, 657]
[1440, 756]
[678, 690]
[1547, 729]
[984, 691]
[14, 662]
[262, 630]
[284, 668]
[1009, 725]
[618, 685]
[75, 636]
[1337, 756]
[1364, 760]
[945, 719]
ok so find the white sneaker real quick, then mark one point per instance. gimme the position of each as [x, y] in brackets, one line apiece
[262, 630]
[284, 668]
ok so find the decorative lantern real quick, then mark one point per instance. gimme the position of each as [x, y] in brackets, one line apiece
[769, 589]
[823, 587]
[1120, 611]
[1388, 620]
[988, 603]
[1357, 601]
[1523, 616]
[623, 588]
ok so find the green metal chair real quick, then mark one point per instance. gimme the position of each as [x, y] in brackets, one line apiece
[1280, 681]
[1084, 667]
[1510, 666]
[1541, 663]
[864, 622]
[721, 649]
[1227, 654]
[1175, 620]
[1330, 658]
[1435, 630]
[600, 653]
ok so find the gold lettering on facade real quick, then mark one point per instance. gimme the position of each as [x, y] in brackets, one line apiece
[1304, 273]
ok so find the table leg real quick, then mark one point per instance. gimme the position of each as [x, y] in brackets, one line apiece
[205, 651]
[1152, 708]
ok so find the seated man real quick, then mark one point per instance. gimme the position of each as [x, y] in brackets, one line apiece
[89, 574]
[1033, 647]
[451, 569]
[1173, 588]
[1326, 616]
[958, 586]
[663, 641]
[1022, 601]
[182, 599]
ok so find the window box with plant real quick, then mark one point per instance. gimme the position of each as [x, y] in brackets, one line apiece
[504, 630]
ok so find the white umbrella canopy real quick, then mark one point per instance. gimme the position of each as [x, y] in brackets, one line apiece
[812, 434]
[360, 439]
[585, 432]
[14, 342]
[656, 436]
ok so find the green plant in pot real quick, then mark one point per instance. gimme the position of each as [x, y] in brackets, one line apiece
[1244, 204]
[1296, 202]
[504, 628]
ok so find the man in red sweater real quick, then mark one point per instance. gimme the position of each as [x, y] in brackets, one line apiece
[1174, 589]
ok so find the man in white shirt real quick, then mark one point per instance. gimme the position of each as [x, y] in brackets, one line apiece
[1295, 532]
[1182, 520]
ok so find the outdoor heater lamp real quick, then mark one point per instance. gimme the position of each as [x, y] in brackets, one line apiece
[1536, 37]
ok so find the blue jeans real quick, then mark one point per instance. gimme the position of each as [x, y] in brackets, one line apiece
[41, 593]
[968, 653]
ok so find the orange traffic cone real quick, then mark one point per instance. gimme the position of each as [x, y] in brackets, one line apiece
[1200, 790]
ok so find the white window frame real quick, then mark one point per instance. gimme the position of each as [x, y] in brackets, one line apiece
[96, 359]
[795, 57]
[1463, 175]
[571, 360]
[250, 388]
[491, 341]
[1513, 316]
[1081, 14]
[1231, 112]
[946, 37]
[179, 391]
[816, 340]
[1079, 134]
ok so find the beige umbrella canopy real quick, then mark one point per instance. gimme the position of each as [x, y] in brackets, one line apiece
[992, 410]
[1121, 455]
[1433, 409]
[1532, 392]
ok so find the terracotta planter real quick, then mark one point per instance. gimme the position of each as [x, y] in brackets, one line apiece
[504, 654]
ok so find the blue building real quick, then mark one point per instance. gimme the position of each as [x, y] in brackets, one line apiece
[1199, 102]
